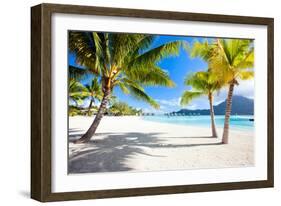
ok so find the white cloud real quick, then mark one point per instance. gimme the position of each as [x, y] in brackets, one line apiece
[165, 106]
[245, 88]
[191, 106]
[170, 102]
[198, 103]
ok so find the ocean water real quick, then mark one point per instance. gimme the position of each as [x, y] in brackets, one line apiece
[238, 122]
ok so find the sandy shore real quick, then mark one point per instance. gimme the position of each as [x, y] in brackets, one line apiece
[133, 144]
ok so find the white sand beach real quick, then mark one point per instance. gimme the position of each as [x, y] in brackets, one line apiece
[132, 144]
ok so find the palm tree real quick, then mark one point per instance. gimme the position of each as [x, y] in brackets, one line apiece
[93, 91]
[75, 92]
[203, 83]
[124, 60]
[233, 61]
[75, 88]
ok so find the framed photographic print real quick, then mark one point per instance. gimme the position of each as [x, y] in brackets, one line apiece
[132, 102]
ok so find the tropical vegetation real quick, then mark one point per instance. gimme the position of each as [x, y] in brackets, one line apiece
[123, 109]
[93, 92]
[75, 90]
[130, 62]
[202, 83]
[231, 60]
[121, 60]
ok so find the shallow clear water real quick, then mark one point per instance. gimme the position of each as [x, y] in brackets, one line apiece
[240, 122]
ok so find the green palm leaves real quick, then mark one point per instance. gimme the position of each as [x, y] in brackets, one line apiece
[229, 61]
[93, 90]
[234, 59]
[188, 96]
[75, 91]
[203, 83]
[121, 60]
[124, 60]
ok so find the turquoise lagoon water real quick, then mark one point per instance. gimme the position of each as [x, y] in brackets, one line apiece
[239, 122]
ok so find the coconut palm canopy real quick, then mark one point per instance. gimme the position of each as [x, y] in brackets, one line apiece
[229, 61]
[202, 83]
[168, 98]
[124, 60]
[120, 60]
[227, 58]
[234, 59]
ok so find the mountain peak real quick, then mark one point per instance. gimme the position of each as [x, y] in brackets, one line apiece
[240, 106]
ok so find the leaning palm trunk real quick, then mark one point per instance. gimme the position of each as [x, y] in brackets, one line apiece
[227, 113]
[90, 106]
[91, 131]
[212, 114]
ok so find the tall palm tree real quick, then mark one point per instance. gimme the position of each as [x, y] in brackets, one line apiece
[78, 91]
[93, 91]
[203, 83]
[233, 61]
[124, 60]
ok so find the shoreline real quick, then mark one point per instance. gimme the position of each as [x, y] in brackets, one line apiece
[206, 124]
[129, 143]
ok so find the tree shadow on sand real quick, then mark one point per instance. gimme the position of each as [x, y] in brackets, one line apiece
[110, 153]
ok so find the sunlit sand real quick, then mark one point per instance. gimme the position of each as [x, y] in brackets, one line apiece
[133, 144]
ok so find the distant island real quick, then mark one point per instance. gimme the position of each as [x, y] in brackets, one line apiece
[240, 106]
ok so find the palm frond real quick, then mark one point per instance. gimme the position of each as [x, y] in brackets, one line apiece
[150, 76]
[79, 94]
[141, 95]
[245, 75]
[131, 87]
[76, 73]
[234, 55]
[196, 82]
[107, 51]
[143, 45]
[204, 81]
[75, 86]
[188, 96]
[123, 44]
[76, 91]
[247, 60]
[86, 46]
[94, 89]
[98, 50]
[152, 56]
[203, 50]
[123, 87]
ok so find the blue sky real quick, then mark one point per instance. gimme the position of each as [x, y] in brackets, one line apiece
[178, 68]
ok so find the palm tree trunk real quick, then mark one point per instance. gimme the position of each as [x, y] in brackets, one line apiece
[227, 113]
[91, 131]
[89, 110]
[212, 114]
